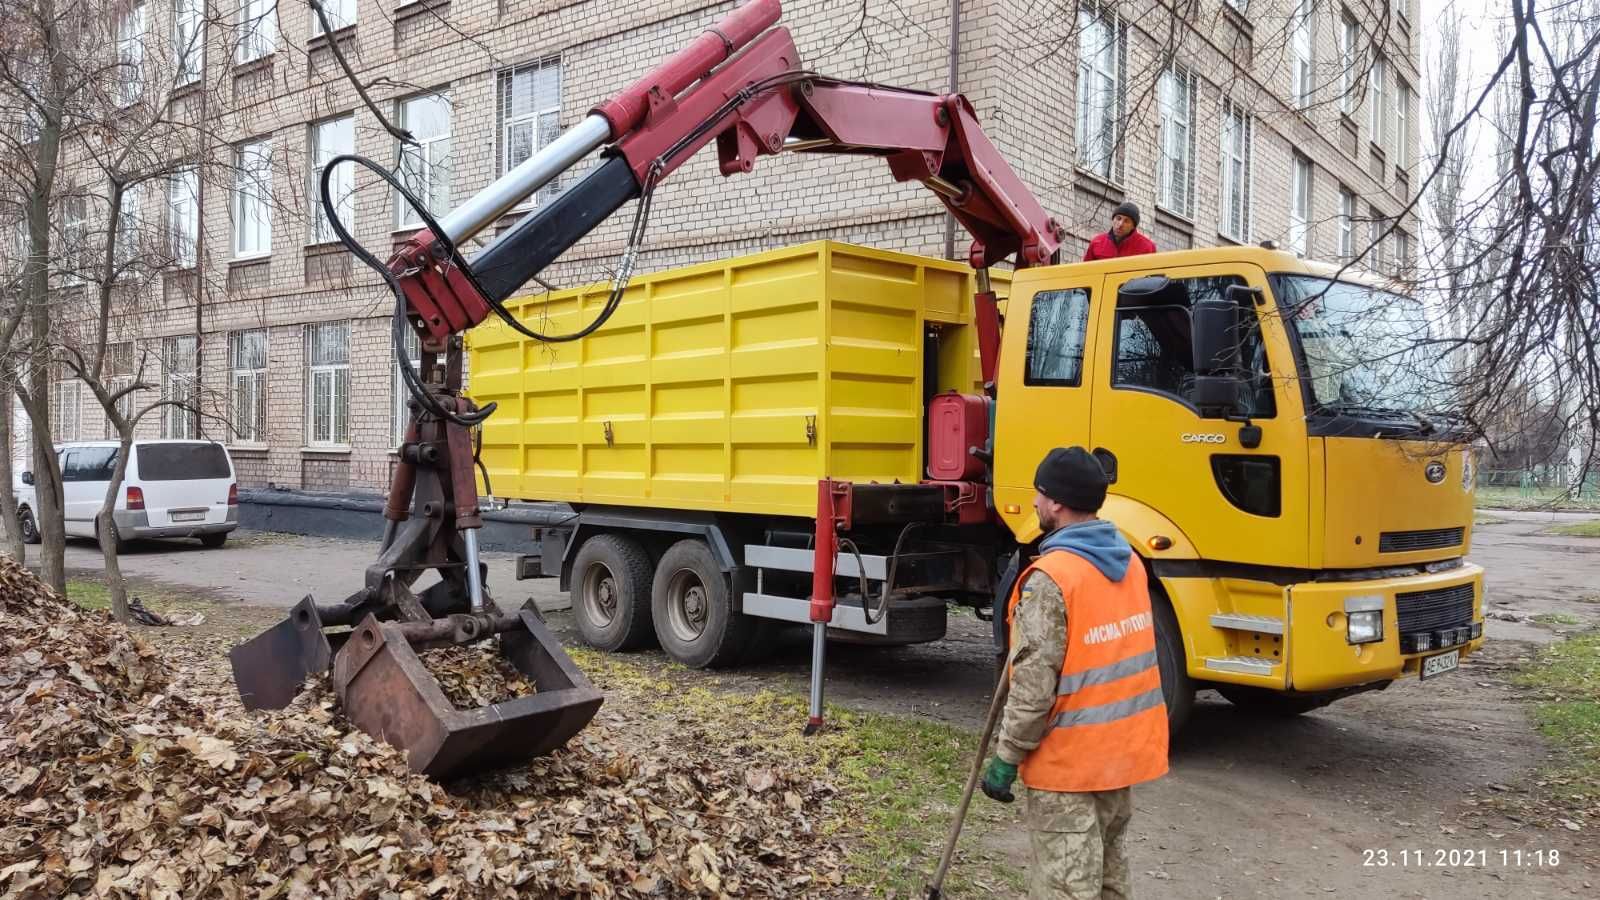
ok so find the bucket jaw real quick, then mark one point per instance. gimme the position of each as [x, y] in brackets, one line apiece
[270, 668]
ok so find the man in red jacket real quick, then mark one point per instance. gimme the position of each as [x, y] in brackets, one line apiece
[1123, 239]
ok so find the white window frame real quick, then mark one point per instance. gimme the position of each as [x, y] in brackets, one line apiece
[130, 221]
[1175, 177]
[118, 375]
[1402, 123]
[1102, 68]
[252, 200]
[1377, 96]
[183, 217]
[188, 40]
[425, 167]
[1375, 229]
[1300, 198]
[328, 384]
[178, 357]
[258, 29]
[1349, 35]
[1402, 254]
[400, 414]
[341, 15]
[1237, 150]
[1302, 57]
[247, 387]
[74, 237]
[130, 54]
[63, 390]
[542, 121]
[1347, 225]
[330, 138]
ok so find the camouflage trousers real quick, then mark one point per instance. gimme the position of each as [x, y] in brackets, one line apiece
[1077, 844]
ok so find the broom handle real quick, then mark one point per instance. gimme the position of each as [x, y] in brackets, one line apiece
[1001, 689]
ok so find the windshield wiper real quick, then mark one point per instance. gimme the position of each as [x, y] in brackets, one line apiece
[1423, 423]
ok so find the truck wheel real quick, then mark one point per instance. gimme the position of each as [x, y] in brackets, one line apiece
[611, 593]
[693, 607]
[1177, 688]
[1263, 702]
[28, 527]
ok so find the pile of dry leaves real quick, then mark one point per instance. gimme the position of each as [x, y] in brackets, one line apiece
[122, 775]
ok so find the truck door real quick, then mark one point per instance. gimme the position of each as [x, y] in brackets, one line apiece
[1236, 497]
[1043, 395]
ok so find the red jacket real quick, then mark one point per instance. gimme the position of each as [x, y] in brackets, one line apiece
[1102, 247]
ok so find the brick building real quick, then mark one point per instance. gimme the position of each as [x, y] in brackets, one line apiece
[1288, 120]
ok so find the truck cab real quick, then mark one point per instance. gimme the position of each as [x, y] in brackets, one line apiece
[1303, 506]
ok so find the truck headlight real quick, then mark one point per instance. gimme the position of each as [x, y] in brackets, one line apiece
[1363, 619]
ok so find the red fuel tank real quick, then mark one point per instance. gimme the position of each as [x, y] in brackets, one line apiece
[956, 423]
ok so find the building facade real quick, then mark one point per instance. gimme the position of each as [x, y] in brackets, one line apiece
[1286, 120]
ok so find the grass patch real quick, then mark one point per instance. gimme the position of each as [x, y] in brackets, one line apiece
[1567, 678]
[1542, 498]
[1489, 520]
[1557, 619]
[1590, 528]
[88, 593]
[900, 779]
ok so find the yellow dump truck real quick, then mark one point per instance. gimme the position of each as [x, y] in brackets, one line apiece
[1303, 516]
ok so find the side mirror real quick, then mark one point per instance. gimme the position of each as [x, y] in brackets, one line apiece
[27, 478]
[1216, 326]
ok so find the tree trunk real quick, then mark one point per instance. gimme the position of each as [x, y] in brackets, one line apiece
[8, 501]
[106, 528]
[48, 512]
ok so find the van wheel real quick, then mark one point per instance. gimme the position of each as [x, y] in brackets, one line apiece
[28, 527]
[1177, 688]
[213, 540]
[611, 593]
[1277, 704]
[692, 603]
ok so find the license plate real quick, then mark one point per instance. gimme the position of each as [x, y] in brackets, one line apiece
[1444, 662]
[196, 516]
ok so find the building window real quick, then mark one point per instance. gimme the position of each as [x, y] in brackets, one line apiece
[1237, 144]
[1301, 52]
[1057, 324]
[329, 139]
[118, 374]
[425, 167]
[1375, 229]
[1102, 60]
[1300, 207]
[328, 384]
[1243, 6]
[1175, 189]
[130, 54]
[252, 200]
[258, 29]
[75, 239]
[64, 407]
[247, 358]
[1402, 254]
[130, 226]
[1376, 97]
[183, 217]
[341, 15]
[1349, 35]
[402, 413]
[188, 40]
[1402, 123]
[530, 115]
[1347, 225]
[178, 372]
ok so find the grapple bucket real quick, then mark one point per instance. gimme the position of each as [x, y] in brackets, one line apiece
[270, 667]
[388, 693]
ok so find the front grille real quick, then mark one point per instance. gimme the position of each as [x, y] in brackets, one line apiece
[1426, 539]
[1430, 610]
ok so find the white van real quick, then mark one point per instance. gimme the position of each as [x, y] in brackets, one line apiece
[171, 489]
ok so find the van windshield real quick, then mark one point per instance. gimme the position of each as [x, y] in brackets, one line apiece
[182, 462]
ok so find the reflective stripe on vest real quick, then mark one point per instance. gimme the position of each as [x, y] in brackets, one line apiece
[1109, 721]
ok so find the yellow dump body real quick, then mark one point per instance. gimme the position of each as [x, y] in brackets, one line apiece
[731, 386]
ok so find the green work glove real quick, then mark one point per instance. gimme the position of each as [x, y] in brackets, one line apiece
[997, 778]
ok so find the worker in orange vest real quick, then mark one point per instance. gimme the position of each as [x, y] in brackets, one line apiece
[1084, 719]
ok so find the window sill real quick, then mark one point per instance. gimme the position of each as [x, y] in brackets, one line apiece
[1097, 185]
[183, 90]
[247, 66]
[327, 246]
[1174, 220]
[318, 41]
[247, 449]
[1229, 240]
[1238, 20]
[331, 450]
[252, 258]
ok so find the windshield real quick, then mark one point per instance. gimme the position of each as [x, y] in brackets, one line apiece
[1365, 350]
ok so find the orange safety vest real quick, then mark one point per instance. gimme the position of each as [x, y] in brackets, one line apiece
[1110, 722]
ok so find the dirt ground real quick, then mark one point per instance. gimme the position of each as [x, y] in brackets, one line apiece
[1253, 807]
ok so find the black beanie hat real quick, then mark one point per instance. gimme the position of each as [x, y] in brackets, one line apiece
[1073, 478]
[1126, 208]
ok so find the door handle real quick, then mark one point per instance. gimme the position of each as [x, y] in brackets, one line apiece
[1108, 462]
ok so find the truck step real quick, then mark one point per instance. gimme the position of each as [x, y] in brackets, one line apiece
[1243, 622]
[1243, 665]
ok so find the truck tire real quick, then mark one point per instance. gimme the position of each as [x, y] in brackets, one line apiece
[1277, 704]
[27, 526]
[692, 603]
[1177, 688]
[611, 593]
